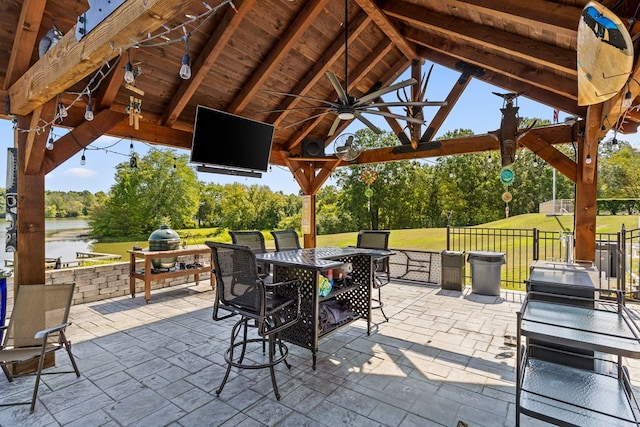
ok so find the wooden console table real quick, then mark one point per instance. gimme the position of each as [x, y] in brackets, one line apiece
[202, 254]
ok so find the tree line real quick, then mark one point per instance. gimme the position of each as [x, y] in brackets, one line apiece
[456, 190]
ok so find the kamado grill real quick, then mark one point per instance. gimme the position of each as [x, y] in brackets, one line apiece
[164, 239]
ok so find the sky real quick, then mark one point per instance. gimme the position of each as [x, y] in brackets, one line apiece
[477, 109]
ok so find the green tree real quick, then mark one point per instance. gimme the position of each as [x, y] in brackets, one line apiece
[163, 188]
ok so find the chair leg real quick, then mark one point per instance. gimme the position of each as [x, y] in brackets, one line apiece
[37, 384]
[272, 370]
[229, 353]
[67, 346]
[7, 373]
[380, 304]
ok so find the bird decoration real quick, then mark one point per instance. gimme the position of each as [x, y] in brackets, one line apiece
[49, 40]
[509, 134]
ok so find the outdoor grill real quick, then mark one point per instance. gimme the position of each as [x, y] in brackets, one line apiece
[164, 239]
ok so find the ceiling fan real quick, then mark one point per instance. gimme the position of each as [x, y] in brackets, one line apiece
[346, 147]
[348, 107]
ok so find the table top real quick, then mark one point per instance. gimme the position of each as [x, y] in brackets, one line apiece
[561, 277]
[317, 258]
[189, 250]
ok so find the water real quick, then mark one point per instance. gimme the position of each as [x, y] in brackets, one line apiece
[64, 247]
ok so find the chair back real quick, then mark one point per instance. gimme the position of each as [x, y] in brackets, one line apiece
[286, 240]
[238, 286]
[373, 239]
[253, 239]
[38, 307]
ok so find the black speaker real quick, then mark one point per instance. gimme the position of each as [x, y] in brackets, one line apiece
[312, 148]
[11, 200]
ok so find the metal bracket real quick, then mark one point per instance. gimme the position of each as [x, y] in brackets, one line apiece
[96, 13]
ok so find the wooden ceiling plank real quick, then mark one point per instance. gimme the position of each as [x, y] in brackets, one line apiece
[384, 23]
[547, 16]
[333, 53]
[206, 59]
[273, 60]
[25, 39]
[69, 61]
[485, 38]
[80, 137]
[37, 141]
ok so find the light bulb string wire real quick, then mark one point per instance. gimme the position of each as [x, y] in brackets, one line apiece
[101, 74]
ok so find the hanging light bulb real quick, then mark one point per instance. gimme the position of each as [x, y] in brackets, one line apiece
[131, 146]
[83, 159]
[588, 159]
[62, 111]
[49, 145]
[185, 69]
[88, 113]
[535, 163]
[129, 77]
[626, 102]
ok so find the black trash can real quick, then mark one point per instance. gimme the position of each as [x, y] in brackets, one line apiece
[486, 267]
[453, 271]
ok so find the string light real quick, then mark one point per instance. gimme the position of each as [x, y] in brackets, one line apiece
[83, 159]
[101, 74]
[88, 113]
[185, 69]
[49, 145]
[626, 102]
[129, 77]
[588, 159]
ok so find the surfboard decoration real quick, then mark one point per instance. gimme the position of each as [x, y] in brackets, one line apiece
[605, 54]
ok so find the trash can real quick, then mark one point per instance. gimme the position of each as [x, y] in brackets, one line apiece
[485, 272]
[453, 271]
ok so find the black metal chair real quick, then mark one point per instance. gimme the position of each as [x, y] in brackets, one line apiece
[286, 240]
[255, 241]
[377, 239]
[269, 308]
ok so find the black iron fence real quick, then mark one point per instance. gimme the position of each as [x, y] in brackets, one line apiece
[617, 255]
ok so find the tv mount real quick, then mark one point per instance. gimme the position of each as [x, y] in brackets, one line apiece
[225, 171]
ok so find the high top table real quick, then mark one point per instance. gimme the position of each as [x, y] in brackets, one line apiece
[307, 265]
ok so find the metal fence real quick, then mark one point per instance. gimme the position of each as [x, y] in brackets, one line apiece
[617, 254]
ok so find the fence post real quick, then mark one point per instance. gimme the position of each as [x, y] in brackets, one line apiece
[536, 244]
[622, 259]
[448, 237]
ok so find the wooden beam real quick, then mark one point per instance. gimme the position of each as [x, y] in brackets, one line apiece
[36, 142]
[586, 208]
[527, 74]
[24, 40]
[384, 23]
[80, 137]
[484, 38]
[69, 61]
[535, 142]
[206, 58]
[274, 59]
[108, 90]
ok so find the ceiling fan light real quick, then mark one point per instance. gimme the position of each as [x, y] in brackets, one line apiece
[346, 115]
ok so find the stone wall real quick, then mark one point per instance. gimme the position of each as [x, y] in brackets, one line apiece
[103, 281]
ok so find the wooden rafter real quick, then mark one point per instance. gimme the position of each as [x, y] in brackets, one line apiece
[36, 141]
[206, 58]
[69, 61]
[25, 39]
[273, 60]
[382, 21]
[483, 38]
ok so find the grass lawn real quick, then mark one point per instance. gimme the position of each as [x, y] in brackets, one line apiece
[421, 238]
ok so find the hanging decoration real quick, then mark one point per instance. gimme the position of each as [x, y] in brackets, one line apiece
[368, 176]
[133, 110]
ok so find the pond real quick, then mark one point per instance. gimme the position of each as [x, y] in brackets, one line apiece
[60, 244]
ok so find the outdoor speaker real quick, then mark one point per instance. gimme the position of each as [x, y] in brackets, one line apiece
[312, 148]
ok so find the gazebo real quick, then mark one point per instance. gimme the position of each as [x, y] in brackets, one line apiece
[138, 69]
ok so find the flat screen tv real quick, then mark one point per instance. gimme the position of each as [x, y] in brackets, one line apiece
[230, 141]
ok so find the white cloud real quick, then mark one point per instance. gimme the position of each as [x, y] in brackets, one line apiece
[79, 173]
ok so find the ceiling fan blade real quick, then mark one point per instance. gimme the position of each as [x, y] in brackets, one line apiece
[280, 110]
[409, 104]
[364, 120]
[334, 126]
[395, 116]
[310, 98]
[342, 95]
[308, 118]
[373, 95]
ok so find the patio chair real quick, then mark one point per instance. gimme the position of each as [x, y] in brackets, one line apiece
[270, 308]
[377, 239]
[255, 241]
[36, 329]
[286, 240]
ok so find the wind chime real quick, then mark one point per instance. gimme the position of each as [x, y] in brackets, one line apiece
[368, 176]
